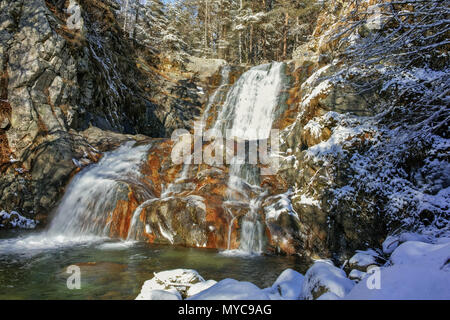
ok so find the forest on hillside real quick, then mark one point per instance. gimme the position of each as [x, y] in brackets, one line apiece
[239, 31]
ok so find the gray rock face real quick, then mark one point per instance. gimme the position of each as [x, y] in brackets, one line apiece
[57, 82]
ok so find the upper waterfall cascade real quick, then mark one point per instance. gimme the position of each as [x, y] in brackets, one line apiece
[249, 109]
[248, 114]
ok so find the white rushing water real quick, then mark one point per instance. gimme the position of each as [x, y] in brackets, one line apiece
[248, 113]
[89, 201]
[93, 193]
[249, 108]
[83, 214]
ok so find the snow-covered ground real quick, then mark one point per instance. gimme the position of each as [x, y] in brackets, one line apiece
[410, 266]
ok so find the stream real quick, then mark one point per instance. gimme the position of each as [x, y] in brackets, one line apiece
[116, 270]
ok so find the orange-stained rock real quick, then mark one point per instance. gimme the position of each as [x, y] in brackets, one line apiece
[121, 217]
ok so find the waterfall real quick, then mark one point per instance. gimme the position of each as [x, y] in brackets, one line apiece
[249, 109]
[248, 114]
[94, 192]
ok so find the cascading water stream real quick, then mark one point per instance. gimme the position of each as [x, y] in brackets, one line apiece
[83, 214]
[249, 109]
[92, 195]
[248, 114]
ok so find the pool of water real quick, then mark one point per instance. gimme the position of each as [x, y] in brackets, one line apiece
[32, 267]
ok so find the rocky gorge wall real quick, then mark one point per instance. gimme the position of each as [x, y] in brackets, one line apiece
[358, 162]
[58, 82]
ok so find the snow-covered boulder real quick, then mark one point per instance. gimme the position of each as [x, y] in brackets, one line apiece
[404, 282]
[392, 242]
[418, 271]
[230, 289]
[363, 259]
[159, 295]
[328, 296]
[172, 281]
[356, 275]
[324, 277]
[199, 287]
[419, 253]
[288, 286]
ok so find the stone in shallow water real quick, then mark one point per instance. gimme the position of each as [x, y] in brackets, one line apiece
[172, 281]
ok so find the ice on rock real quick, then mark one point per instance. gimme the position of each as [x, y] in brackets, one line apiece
[16, 220]
[230, 289]
[324, 277]
[288, 286]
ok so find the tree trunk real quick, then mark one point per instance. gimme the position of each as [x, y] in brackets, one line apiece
[285, 35]
[136, 18]
[251, 45]
[206, 27]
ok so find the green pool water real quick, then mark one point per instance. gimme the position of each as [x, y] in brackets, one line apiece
[116, 270]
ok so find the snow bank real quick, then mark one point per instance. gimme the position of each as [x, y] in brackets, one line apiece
[420, 253]
[199, 287]
[177, 281]
[417, 270]
[324, 277]
[288, 286]
[15, 220]
[362, 259]
[230, 289]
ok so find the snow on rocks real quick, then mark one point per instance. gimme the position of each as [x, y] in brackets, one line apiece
[363, 259]
[415, 252]
[172, 281]
[15, 220]
[416, 270]
[356, 275]
[324, 277]
[230, 289]
[288, 286]
[160, 295]
[199, 287]
[392, 242]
